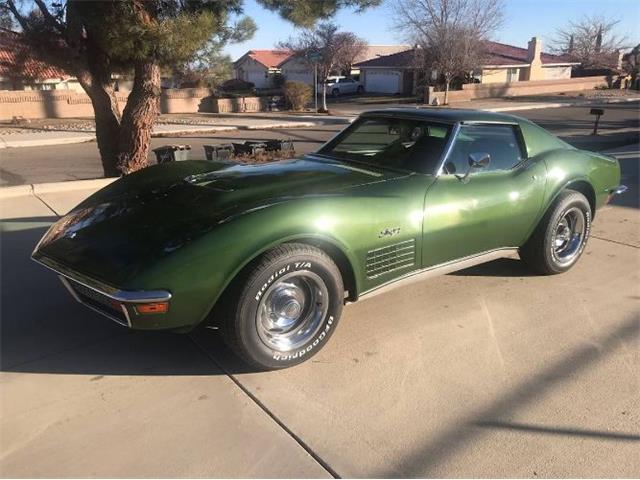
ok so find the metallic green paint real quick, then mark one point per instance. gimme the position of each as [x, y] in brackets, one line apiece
[191, 227]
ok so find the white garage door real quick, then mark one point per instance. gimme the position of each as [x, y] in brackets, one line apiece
[382, 81]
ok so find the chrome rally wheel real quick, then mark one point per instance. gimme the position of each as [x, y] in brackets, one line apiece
[569, 236]
[561, 236]
[291, 311]
[284, 307]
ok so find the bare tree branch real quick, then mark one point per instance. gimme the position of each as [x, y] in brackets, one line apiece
[592, 41]
[449, 35]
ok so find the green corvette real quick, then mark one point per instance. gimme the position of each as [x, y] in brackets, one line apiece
[271, 252]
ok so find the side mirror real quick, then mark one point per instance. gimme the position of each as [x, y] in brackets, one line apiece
[476, 161]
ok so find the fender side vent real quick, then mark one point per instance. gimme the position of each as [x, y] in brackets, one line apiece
[390, 258]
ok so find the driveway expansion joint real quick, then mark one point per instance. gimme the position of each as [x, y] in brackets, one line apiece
[615, 241]
[44, 203]
[269, 413]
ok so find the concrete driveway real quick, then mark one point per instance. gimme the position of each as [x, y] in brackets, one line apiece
[490, 372]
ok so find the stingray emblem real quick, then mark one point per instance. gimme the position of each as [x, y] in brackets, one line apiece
[389, 232]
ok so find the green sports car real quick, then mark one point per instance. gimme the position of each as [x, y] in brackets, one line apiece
[271, 252]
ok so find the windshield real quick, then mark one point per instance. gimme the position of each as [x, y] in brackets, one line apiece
[413, 145]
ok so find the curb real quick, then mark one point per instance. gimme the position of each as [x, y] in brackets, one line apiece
[16, 191]
[36, 189]
[46, 141]
[195, 130]
[279, 125]
[537, 106]
[54, 187]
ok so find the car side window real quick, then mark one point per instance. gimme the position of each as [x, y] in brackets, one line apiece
[501, 142]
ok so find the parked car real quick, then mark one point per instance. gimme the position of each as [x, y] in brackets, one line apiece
[272, 252]
[343, 85]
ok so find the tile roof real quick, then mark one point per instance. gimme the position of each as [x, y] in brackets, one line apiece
[503, 54]
[371, 52]
[375, 51]
[268, 58]
[395, 60]
[497, 54]
[18, 61]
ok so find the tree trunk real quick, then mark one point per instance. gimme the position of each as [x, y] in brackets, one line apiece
[138, 117]
[107, 117]
[324, 96]
[446, 92]
[97, 83]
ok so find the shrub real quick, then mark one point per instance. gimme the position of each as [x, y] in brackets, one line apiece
[297, 94]
[236, 85]
[265, 157]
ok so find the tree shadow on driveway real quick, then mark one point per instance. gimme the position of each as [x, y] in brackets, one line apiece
[43, 330]
[422, 458]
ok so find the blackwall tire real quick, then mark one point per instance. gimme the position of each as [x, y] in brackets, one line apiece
[561, 236]
[286, 307]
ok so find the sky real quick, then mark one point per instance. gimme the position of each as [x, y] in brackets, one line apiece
[523, 20]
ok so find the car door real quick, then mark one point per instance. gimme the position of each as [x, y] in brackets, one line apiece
[493, 207]
[346, 85]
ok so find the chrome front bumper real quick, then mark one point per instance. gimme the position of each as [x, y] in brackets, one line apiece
[117, 305]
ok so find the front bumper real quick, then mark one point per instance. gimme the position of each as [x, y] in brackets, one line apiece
[117, 305]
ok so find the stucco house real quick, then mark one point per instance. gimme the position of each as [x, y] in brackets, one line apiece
[21, 70]
[504, 64]
[258, 66]
[296, 68]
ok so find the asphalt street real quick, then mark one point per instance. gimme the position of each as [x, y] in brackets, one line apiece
[81, 161]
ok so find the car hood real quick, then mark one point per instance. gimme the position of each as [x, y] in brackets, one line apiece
[117, 232]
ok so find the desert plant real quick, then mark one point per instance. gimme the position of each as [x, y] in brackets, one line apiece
[297, 94]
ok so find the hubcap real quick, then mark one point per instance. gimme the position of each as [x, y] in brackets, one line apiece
[568, 237]
[291, 311]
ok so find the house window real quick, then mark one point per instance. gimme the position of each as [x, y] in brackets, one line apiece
[513, 75]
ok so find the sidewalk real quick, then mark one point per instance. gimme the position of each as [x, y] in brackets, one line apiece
[224, 123]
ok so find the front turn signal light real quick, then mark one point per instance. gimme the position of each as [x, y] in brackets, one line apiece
[157, 307]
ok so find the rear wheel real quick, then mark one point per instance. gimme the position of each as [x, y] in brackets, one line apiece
[286, 308]
[360, 89]
[560, 238]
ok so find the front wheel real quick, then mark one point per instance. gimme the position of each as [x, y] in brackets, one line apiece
[360, 90]
[560, 238]
[335, 92]
[286, 308]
